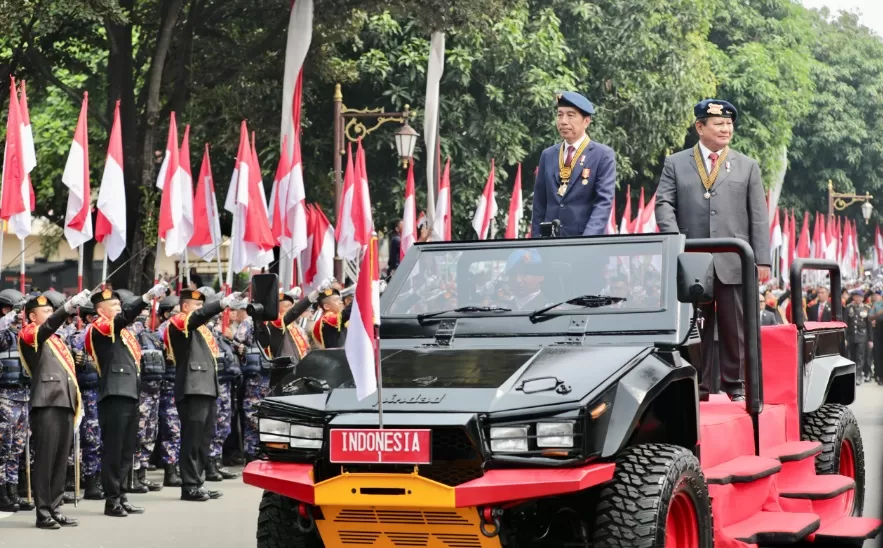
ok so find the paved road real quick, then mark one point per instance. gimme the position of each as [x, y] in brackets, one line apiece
[230, 521]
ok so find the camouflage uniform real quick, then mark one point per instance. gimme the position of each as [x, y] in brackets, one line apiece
[13, 421]
[257, 385]
[90, 432]
[169, 423]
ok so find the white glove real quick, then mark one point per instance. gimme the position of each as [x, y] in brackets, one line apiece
[7, 320]
[230, 299]
[296, 293]
[156, 292]
[326, 283]
[78, 300]
[313, 296]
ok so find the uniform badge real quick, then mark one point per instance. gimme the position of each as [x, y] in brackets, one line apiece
[559, 96]
[197, 295]
[585, 174]
[582, 159]
[329, 292]
[42, 301]
[715, 109]
[106, 294]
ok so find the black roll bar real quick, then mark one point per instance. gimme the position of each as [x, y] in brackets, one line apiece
[751, 313]
[797, 313]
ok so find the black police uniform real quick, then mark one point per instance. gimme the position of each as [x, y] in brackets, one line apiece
[858, 333]
[117, 355]
[283, 337]
[193, 348]
[55, 402]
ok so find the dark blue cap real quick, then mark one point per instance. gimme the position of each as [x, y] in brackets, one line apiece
[715, 108]
[575, 100]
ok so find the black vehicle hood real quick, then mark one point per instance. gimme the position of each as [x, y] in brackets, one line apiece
[464, 380]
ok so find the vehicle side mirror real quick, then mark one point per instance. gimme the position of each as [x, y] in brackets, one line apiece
[264, 305]
[695, 278]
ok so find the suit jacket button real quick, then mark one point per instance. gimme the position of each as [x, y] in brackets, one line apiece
[713, 213]
[714, 193]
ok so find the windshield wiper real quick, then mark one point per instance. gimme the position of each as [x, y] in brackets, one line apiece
[462, 309]
[586, 301]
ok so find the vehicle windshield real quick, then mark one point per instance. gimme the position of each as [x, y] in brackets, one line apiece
[527, 278]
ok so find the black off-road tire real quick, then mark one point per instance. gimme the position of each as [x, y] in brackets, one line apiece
[830, 425]
[277, 518]
[632, 510]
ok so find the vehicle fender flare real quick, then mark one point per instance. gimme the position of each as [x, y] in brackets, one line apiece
[821, 374]
[636, 391]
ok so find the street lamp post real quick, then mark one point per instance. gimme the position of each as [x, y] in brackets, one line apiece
[349, 125]
[839, 201]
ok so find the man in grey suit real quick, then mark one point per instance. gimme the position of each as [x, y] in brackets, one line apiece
[712, 191]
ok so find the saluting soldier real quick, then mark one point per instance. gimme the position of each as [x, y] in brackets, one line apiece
[330, 329]
[169, 424]
[55, 402]
[193, 348]
[858, 335]
[14, 396]
[282, 336]
[117, 355]
[576, 178]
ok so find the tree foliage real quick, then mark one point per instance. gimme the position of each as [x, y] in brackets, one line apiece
[803, 81]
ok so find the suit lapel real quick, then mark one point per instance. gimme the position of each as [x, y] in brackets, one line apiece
[724, 173]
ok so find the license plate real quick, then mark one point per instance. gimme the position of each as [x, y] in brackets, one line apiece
[376, 446]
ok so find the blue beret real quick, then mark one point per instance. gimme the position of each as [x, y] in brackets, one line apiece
[525, 260]
[715, 108]
[577, 101]
[858, 292]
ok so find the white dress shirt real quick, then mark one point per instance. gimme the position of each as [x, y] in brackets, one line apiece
[576, 144]
[705, 156]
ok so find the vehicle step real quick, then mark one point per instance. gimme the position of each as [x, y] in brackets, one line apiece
[767, 528]
[793, 451]
[742, 469]
[817, 488]
[848, 531]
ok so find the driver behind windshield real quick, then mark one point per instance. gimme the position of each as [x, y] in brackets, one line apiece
[525, 271]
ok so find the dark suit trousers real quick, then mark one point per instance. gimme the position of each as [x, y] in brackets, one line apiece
[197, 415]
[118, 419]
[53, 433]
[728, 353]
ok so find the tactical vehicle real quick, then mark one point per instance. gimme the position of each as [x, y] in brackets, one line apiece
[545, 393]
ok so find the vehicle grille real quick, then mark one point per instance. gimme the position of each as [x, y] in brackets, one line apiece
[455, 460]
[384, 527]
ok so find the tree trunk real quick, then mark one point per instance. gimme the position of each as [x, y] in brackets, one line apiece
[142, 268]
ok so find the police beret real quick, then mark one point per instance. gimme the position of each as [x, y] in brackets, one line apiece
[37, 302]
[715, 108]
[524, 260]
[329, 292]
[105, 295]
[168, 303]
[192, 294]
[575, 100]
[858, 292]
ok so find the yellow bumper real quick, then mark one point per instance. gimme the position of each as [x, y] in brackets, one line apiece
[395, 510]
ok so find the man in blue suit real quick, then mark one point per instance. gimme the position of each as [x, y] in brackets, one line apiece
[577, 177]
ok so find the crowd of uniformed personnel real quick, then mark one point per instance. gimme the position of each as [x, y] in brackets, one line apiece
[140, 396]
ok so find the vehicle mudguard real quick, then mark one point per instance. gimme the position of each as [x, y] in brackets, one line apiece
[636, 391]
[820, 375]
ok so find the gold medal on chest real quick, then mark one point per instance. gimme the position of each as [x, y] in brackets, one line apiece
[586, 172]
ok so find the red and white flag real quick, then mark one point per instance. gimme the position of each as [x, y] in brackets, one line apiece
[626, 223]
[647, 222]
[611, 222]
[441, 222]
[300, 34]
[775, 231]
[803, 244]
[186, 179]
[486, 209]
[345, 232]
[28, 149]
[15, 201]
[318, 257]
[279, 194]
[295, 203]
[781, 243]
[361, 340]
[252, 237]
[516, 208]
[171, 208]
[110, 222]
[206, 221]
[409, 219]
[878, 246]
[636, 224]
[363, 218]
[78, 217]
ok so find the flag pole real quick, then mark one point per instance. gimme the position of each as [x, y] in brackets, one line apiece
[155, 281]
[186, 267]
[104, 270]
[375, 271]
[80, 281]
[21, 278]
